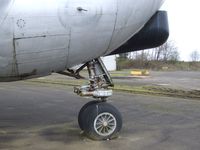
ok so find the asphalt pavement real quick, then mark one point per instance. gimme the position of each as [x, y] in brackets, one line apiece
[175, 79]
[37, 116]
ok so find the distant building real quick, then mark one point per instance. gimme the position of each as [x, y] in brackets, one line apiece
[110, 62]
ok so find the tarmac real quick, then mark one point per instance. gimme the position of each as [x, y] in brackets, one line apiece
[186, 80]
[35, 116]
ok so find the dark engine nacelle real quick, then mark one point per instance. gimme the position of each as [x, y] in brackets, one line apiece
[153, 34]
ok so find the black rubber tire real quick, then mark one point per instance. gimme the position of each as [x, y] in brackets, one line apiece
[81, 116]
[92, 112]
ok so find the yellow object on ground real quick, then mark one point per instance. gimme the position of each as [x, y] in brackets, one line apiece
[140, 73]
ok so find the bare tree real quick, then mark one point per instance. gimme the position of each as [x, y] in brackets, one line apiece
[166, 52]
[195, 56]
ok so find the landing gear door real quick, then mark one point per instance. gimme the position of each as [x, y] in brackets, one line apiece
[41, 42]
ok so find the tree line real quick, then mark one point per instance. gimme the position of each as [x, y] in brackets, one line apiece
[166, 54]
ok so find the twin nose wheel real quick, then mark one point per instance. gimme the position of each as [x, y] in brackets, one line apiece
[100, 120]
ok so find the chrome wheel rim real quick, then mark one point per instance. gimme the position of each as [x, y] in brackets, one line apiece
[105, 124]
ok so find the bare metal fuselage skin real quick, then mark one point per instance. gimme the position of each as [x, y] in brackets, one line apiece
[38, 37]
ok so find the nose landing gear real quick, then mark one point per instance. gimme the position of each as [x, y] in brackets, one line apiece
[98, 119]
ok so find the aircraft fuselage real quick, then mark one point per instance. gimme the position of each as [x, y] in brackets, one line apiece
[38, 37]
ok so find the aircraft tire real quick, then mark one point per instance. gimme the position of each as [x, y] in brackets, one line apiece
[81, 115]
[102, 121]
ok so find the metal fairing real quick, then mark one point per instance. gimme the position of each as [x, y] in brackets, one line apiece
[153, 34]
[38, 37]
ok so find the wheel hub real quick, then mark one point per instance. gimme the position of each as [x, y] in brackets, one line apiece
[105, 124]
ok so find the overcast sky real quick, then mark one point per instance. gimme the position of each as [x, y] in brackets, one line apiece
[184, 22]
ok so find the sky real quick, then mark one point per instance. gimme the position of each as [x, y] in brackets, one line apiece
[184, 24]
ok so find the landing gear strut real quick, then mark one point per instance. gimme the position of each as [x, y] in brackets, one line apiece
[98, 119]
[99, 81]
